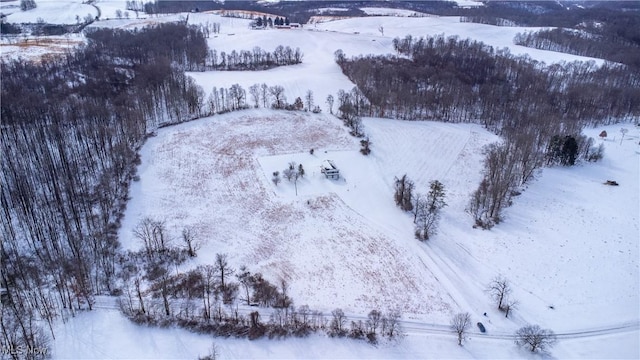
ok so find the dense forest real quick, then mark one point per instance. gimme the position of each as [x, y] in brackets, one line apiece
[71, 128]
[539, 110]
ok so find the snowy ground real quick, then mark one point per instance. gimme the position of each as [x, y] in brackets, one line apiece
[53, 12]
[568, 241]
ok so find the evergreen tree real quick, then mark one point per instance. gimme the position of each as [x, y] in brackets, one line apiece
[569, 151]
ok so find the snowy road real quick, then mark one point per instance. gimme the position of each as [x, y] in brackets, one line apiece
[412, 327]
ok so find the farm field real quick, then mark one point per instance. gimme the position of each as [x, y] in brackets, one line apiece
[569, 245]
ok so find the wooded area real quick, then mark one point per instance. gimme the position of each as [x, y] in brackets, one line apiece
[71, 128]
[539, 110]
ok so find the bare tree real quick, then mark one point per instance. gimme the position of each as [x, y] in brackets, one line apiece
[460, 323]
[535, 338]
[373, 321]
[623, 132]
[191, 241]
[279, 100]
[509, 305]
[223, 268]
[338, 322]
[392, 325]
[244, 277]
[293, 173]
[499, 289]
[308, 99]
[330, 103]
[208, 278]
[254, 91]
[264, 93]
[153, 235]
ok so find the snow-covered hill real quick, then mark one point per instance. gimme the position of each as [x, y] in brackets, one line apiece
[569, 244]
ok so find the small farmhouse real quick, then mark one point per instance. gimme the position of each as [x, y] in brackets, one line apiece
[329, 169]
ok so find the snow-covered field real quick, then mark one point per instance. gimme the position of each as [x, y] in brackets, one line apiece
[569, 244]
[53, 12]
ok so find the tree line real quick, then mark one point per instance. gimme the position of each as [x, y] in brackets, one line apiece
[585, 43]
[256, 59]
[71, 129]
[538, 110]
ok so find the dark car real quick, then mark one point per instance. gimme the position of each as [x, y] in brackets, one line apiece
[481, 327]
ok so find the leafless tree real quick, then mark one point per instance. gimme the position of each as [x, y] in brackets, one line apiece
[499, 289]
[292, 173]
[623, 132]
[244, 277]
[535, 338]
[208, 280]
[338, 322]
[191, 240]
[223, 269]
[330, 103]
[392, 324]
[279, 100]
[373, 320]
[509, 305]
[460, 323]
[153, 235]
[264, 93]
[308, 99]
[254, 91]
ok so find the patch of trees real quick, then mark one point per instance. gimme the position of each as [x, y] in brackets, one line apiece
[500, 291]
[9, 28]
[426, 209]
[256, 59]
[71, 128]
[584, 42]
[223, 100]
[351, 107]
[27, 5]
[513, 163]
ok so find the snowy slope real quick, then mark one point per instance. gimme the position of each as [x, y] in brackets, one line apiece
[54, 12]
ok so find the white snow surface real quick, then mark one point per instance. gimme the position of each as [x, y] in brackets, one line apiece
[390, 12]
[568, 242]
[54, 12]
